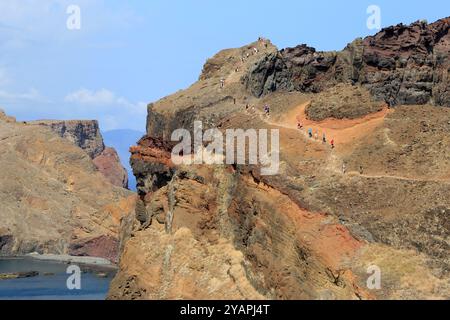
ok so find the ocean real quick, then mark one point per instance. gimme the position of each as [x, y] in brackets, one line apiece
[51, 284]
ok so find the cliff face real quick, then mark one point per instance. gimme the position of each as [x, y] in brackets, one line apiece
[399, 65]
[108, 163]
[378, 199]
[83, 133]
[86, 135]
[53, 198]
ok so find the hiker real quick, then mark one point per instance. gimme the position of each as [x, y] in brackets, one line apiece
[310, 133]
[316, 135]
[222, 83]
[361, 170]
[344, 168]
[332, 144]
[267, 109]
[324, 138]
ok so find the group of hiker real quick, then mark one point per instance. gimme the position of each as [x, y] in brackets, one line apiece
[311, 134]
[315, 135]
[244, 57]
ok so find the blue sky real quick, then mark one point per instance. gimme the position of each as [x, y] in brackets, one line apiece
[129, 53]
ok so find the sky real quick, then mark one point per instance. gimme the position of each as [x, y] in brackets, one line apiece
[127, 54]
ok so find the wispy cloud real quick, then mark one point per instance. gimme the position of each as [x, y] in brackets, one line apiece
[102, 98]
[34, 38]
[31, 95]
[85, 96]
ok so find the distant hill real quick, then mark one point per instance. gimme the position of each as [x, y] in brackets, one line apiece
[122, 140]
[53, 198]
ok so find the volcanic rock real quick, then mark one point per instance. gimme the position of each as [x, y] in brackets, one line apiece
[53, 197]
[377, 199]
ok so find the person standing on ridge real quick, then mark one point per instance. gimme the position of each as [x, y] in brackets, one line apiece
[324, 138]
[222, 83]
[332, 144]
[310, 133]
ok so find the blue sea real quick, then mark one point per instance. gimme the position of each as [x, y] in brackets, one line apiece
[51, 282]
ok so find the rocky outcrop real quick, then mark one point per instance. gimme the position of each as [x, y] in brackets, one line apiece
[399, 65]
[86, 135]
[54, 200]
[83, 133]
[377, 200]
[342, 102]
[108, 163]
[18, 275]
[6, 118]
[104, 246]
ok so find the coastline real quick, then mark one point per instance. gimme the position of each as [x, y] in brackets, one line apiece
[66, 259]
[26, 278]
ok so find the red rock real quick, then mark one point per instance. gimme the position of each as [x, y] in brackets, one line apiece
[108, 163]
[102, 247]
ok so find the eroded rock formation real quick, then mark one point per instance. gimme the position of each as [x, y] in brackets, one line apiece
[86, 135]
[379, 198]
[399, 65]
[108, 163]
[82, 133]
[53, 198]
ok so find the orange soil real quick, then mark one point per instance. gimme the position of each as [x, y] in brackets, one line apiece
[330, 240]
[341, 131]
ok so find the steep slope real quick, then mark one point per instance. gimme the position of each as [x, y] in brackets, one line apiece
[86, 135]
[378, 200]
[53, 198]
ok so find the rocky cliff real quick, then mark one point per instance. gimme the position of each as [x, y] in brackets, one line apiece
[86, 135]
[377, 200]
[54, 200]
[399, 65]
[83, 133]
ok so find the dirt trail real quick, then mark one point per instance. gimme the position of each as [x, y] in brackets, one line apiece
[344, 132]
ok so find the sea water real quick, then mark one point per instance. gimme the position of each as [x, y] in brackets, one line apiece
[51, 284]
